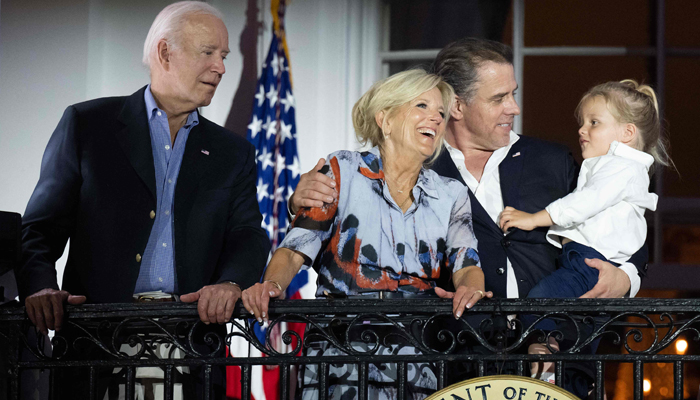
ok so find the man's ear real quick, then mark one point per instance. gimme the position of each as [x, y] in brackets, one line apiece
[629, 134]
[457, 110]
[164, 54]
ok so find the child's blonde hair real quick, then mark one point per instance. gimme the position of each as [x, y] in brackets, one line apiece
[630, 102]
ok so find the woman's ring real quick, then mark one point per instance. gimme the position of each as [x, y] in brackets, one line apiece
[481, 292]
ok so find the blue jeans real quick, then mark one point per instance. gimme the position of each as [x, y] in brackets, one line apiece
[574, 277]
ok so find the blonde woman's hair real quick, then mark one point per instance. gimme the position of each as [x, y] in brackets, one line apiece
[389, 95]
[631, 102]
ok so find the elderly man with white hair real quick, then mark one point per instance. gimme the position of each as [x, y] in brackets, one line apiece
[158, 202]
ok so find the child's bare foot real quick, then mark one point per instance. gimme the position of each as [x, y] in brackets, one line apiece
[543, 370]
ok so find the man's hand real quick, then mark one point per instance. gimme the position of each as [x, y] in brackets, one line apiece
[313, 189]
[216, 302]
[45, 308]
[464, 297]
[512, 218]
[612, 281]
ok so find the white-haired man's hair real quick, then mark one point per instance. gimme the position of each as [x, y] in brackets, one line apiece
[169, 24]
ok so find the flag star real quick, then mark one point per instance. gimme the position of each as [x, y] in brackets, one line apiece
[294, 168]
[254, 126]
[282, 225]
[268, 227]
[271, 129]
[262, 190]
[279, 193]
[286, 131]
[281, 165]
[290, 191]
[288, 101]
[260, 96]
[275, 64]
[272, 227]
[265, 159]
[272, 96]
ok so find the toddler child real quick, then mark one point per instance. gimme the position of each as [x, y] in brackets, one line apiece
[620, 138]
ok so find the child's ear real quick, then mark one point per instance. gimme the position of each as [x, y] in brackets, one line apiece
[629, 135]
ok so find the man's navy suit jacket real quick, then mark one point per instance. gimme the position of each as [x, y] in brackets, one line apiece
[533, 174]
[97, 187]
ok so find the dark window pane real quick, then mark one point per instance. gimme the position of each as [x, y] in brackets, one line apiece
[553, 86]
[587, 23]
[431, 24]
[682, 244]
[682, 81]
[682, 27]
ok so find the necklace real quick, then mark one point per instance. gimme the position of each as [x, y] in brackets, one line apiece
[403, 203]
[389, 180]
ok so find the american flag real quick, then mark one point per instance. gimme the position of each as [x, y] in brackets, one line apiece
[272, 130]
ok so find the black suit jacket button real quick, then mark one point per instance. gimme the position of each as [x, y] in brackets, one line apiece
[501, 271]
[505, 243]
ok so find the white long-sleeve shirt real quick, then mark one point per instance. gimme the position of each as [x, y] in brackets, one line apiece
[606, 210]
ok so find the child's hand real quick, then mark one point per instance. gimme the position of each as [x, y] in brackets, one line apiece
[512, 218]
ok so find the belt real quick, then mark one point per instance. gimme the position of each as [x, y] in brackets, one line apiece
[155, 299]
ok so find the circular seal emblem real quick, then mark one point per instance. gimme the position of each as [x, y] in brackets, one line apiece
[503, 387]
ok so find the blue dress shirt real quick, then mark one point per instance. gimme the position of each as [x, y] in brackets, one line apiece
[158, 262]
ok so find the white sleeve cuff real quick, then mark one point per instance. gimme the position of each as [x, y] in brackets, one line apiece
[556, 213]
[633, 274]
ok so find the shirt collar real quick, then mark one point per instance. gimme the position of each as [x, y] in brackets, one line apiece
[372, 167]
[513, 137]
[152, 109]
[624, 151]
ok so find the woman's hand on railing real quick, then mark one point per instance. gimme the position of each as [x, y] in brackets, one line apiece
[464, 298]
[257, 298]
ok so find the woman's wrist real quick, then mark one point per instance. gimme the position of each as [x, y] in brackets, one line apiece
[275, 284]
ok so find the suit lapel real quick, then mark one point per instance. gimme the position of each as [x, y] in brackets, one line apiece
[445, 166]
[510, 171]
[135, 139]
[192, 162]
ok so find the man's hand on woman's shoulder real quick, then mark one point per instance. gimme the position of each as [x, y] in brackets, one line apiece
[313, 189]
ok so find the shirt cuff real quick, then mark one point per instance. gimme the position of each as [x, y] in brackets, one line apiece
[290, 214]
[635, 280]
[555, 213]
[303, 241]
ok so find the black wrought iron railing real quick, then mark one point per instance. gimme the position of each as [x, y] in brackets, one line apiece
[640, 332]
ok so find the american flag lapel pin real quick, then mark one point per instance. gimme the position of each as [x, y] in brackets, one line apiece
[514, 155]
[205, 152]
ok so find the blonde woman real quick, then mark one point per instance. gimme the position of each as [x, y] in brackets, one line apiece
[393, 227]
